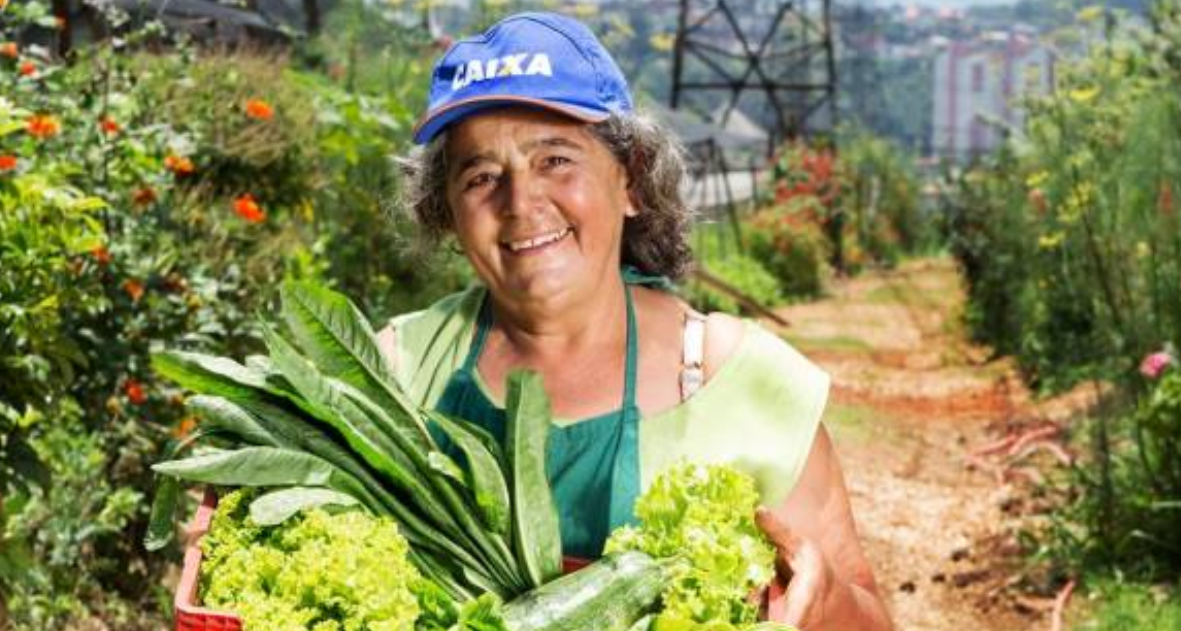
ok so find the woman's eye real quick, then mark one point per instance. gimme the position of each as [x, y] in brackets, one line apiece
[552, 162]
[479, 180]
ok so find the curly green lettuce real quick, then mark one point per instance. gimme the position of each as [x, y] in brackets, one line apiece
[317, 571]
[702, 518]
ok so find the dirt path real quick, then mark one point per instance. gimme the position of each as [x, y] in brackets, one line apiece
[911, 398]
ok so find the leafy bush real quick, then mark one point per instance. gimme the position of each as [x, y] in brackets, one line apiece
[790, 248]
[151, 199]
[740, 270]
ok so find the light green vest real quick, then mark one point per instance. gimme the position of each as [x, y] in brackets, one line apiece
[758, 412]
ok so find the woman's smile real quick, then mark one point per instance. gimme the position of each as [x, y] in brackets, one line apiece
[536, 244]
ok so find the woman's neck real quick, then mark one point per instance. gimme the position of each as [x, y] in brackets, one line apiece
[542, 332]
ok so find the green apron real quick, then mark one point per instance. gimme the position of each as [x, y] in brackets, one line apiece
[593, 465]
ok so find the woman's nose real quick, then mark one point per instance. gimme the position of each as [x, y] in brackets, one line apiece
[523, 192]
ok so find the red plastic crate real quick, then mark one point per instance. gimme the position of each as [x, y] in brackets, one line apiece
[192, 617]
[188, 614]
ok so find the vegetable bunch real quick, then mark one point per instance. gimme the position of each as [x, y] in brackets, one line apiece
[319, 571]
[322, 421]
[699, 519]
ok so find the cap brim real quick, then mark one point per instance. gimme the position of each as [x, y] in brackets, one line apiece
[435, 121]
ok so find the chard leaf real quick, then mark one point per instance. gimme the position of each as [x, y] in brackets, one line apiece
[484, 471]
[221, 414]
[208, 374]
[260, 466]
[535, 527]
[440, 463]
[334, 334]
[277, 507]
[162, 523]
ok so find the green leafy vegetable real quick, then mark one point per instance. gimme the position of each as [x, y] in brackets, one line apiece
[535, 517]
[317, 572]
[701, 518]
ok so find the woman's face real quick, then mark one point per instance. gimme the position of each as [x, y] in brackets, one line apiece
[537, 202]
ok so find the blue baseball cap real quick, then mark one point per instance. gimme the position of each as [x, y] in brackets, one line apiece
[542, 60]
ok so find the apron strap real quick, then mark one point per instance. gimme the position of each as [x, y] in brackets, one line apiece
[625, 471]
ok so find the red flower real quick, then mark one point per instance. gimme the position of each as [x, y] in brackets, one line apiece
[259, 109]
[101, 255]
[8, 162]
[1164, 200]
[143, 196]
[42, 126]
[134, 289]
[249, 209]
[9, 50]
[179, 165]
[27, 69]
[109, 126]
[135, 392]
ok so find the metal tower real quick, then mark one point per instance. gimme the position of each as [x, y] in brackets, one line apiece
[779, 51]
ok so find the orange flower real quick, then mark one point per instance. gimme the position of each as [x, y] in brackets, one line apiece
[9, 50]
[101, 255]
[108, 125]
[249, 209]
[179, 165]
[143, 196]
[259, 109]
[135, 392]
[184, 427]
[134, 288]
[42, 126]
[27, 69]
[8, 162]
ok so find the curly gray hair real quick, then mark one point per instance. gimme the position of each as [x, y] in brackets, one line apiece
[655, 241]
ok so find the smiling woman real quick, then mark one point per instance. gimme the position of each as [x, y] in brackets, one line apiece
[566, 203]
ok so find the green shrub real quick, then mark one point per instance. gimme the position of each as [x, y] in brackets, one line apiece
[740, 270]
[792, 250]
[1117, 605]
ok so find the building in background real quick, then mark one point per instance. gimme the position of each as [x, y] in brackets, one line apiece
[978, 86]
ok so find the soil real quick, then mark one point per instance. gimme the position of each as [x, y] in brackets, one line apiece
[911, 399]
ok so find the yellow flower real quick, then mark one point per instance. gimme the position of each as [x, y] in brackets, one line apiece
[1084, 95]
[1091, 13]
[1037, 179]
[1143, 250]
[584, 10]
[1050, 241]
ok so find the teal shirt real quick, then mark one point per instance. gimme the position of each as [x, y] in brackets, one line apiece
[758, 412]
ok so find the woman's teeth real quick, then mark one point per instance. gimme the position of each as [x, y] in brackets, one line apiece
[538, 241]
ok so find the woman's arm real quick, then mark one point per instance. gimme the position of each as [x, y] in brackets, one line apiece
[830, 586]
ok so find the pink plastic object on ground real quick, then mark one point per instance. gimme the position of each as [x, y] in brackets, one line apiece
[189, 616]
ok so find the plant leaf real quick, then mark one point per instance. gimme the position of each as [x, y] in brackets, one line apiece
[277, 507]
[162, 523]
[221, 414]
[208, 374]
[536, 533]
[334, 334]
[260, 466]
[484, 470]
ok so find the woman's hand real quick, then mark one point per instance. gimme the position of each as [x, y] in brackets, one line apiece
[830, 586]
[801, 566]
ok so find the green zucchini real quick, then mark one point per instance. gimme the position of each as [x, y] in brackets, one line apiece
[609, 595]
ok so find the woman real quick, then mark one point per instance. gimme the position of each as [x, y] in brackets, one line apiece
[566, 203]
